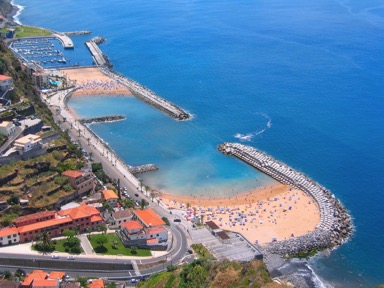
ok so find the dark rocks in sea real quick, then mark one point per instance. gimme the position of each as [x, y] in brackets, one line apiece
[111, 118]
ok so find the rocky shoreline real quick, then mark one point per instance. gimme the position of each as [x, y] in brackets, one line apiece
[335, 223]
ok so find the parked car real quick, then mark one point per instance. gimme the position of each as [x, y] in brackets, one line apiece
[177, 220]
[55, 256]
[134, 280]
[70, 258]
[190, 251]
[137, 195]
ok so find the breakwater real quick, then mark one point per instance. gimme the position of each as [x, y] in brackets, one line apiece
[75, 33]
[142, 168]
[148, 96]
[335, 223]
[111, 118]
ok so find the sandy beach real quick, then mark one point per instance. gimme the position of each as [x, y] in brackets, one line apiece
[273, 212]
[92, 82]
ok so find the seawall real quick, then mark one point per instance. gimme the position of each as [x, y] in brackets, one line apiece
[148, 96]
[335, 223]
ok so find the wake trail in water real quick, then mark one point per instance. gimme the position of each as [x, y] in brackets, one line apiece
[249, 136]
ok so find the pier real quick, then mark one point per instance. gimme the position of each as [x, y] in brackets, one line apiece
[148, 96]
[97, 55]
[335, 224]
[65, 40]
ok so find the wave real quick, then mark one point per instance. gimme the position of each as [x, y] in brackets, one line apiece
[20, 8]
[248, 137]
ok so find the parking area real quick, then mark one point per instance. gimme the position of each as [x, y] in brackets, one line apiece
[237, 250]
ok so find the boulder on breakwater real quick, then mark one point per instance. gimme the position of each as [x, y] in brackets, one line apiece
[143, 168]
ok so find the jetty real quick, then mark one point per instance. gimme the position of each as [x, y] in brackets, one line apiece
[75, 33]
[111, 118]
[65, 40]
[97, 55]
[148, 96]
[335, 223]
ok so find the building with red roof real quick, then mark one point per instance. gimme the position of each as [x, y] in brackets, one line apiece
[32, 277]
[83, 182]
[35, 217]
[111, 197]
[148, 218]
[8, 236]
[6, 83]
[96, 283]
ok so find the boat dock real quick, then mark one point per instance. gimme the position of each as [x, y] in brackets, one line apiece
[334, 219]
[148, 96]
[97, 55]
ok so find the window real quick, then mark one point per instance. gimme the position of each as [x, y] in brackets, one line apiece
[9, 237]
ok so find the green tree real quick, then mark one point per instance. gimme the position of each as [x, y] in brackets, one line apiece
[143, 204]
[68, 233]
[152, 194]
[7, 274]
[13, 200]
[114, 244]
[100, 239]
[102, 228]
[133, 250]
[107, 206]
[128, 203]
[45, 244]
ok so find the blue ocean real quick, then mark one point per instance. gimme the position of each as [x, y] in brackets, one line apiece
[301, 80]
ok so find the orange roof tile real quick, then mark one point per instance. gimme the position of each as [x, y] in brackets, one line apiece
[35, 275]
[44, 224]
[79, 212]
[8, 231]
[56, 275]
[155, 230]
[152, 241]
[149, 218]
[44, 283]
[72, 173]
[4, 77]
[109, 194]
[96, 218]
[96, 283]
[34, 216]
[132, 225]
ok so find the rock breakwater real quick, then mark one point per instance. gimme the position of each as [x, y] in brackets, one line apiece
[111, 118]
[148, 96]
[335, 223]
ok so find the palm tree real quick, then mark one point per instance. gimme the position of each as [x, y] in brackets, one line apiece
[152, 194]
[202, 219]
[45, 242]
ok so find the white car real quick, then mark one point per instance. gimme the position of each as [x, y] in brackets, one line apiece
[55, 256]
[70, 258]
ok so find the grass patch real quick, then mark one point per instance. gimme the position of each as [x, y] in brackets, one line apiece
[202, 251]
[28, 31]
[59, 246]
[108, 248]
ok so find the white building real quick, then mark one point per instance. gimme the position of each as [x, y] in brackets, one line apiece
[116, 219]
[29, 142]
[6, 83]
[9, 236]
[7, 128]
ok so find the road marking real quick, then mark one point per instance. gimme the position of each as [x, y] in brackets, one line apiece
[136, 268]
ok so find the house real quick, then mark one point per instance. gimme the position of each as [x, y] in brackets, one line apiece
[40, 79]
[111, 197]
[41, 279]
[116, 218]
[35, 217]
[9, 235]
[32, 277]
[6, 83]
[7, 128]
[148, 218]
[96, 283]
[133, 233]
[83, 182]
[27, 143]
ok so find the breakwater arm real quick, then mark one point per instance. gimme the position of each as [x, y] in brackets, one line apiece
[335, 223]
[75, 33]
[148, 96]
[111, 118]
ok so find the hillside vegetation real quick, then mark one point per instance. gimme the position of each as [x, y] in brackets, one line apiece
[204, 273]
